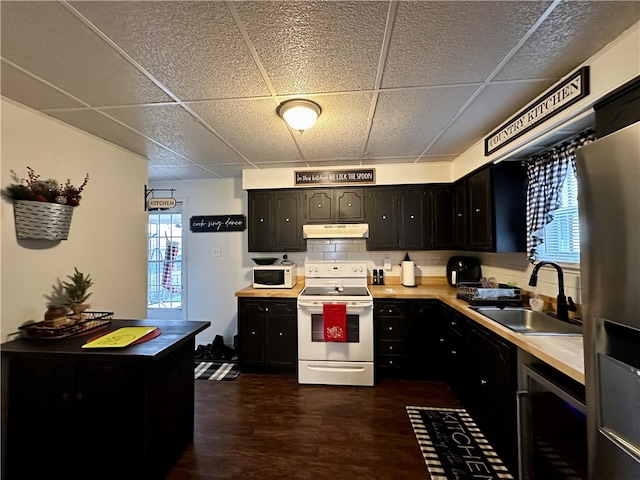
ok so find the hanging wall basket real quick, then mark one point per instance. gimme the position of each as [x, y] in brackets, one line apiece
[42, 220]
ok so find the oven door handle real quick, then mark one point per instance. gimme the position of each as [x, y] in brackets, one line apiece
[351, 309]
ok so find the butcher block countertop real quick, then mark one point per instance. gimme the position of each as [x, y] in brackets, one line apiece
[564, 353]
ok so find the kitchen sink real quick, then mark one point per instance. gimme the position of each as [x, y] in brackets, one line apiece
[529, 322]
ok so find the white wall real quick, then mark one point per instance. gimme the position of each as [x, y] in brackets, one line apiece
[107, 239]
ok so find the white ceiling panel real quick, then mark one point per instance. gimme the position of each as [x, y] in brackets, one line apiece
[193, 86]
[193, 48]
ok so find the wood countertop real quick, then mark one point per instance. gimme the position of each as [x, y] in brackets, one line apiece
[564, 353]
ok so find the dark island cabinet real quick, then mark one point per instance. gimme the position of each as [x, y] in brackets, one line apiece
[274, 222]
[267, 334]
[77, 414]
[407, 338]
[334, 205]
[490, 209]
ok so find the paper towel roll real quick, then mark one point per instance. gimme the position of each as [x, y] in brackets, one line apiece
[408, 274]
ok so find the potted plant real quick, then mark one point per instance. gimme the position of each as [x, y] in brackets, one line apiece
[43, 208]
[76, 291]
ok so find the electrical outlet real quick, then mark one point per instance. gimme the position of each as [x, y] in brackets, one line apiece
[216, 251]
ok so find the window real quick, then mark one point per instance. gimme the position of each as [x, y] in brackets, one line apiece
[561, 237]
[164, 281]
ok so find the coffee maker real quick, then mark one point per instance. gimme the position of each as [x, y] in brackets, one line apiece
[463, 269]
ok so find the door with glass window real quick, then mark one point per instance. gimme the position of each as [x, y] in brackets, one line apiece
[164, 277]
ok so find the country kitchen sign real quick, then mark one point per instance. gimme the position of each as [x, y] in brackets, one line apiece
[218, 223]
[560, 97]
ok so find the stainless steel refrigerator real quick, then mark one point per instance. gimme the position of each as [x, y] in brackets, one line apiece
[609, 205]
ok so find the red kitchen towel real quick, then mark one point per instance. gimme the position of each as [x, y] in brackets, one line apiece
[335, 322]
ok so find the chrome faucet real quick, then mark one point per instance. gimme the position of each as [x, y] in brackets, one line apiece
[562, 308]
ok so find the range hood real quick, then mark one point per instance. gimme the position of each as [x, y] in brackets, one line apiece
[336, 230]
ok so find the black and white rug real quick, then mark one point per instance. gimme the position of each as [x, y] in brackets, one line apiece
[453, 446]
[215, 370]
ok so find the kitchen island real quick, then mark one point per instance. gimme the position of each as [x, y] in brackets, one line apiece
[105, 413]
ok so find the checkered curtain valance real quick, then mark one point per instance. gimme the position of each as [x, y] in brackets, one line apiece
[546, 174]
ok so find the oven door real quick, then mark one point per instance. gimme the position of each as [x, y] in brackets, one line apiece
[311, 343]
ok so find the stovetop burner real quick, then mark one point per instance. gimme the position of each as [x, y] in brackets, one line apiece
[331, 291]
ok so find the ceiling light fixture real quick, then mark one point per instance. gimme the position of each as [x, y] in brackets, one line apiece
[299, 113]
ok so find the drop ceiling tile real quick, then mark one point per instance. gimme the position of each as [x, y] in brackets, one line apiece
[47, 40]
[182, 172]
[436, 158]
[31, 92]
[252, 124]
[454, 42]
[101, 126]
[477, 121]
[193, 48]
[284, 165]
[159, 156]
[573, 32]
[228, 171]
[175, 128]
[335, 163]
[387, 161]
[407, 121]
[312, 47]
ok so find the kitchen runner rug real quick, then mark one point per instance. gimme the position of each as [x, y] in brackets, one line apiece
[453, 446]
[216, 371]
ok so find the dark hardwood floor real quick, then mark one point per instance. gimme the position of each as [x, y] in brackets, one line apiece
[270, 427]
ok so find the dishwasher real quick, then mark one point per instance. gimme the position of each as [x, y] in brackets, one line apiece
[552, 424]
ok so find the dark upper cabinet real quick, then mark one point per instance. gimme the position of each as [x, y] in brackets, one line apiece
[490, 209]
[334, 205]
[274, 222]
[412, 217]
[440, 217]
[418, 217]
[381, 215]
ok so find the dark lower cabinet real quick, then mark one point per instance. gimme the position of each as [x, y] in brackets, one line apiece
[408, 338]
[482, 372]
[267, 334]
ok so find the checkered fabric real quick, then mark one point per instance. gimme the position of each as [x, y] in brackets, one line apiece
[546, 174]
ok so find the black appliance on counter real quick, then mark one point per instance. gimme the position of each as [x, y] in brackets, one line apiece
[463, 269]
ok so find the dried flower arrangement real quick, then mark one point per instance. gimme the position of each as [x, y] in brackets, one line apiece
[34, 189]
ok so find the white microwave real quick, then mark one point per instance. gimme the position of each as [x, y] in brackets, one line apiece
[274, 276]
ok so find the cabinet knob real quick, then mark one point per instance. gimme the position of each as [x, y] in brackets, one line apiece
[261, 220]
[459, 214]
[280, 333]
[266, 309]
[390, 362]
[65, 396]
[441, 340]
[483, 381]
[477, 210]
[78, 397]
[286, 219]
[390, 328]
[454, 323]
[253, 333]
[350, 204]
[319, 205]
[454, 352]
[412, 216]
[390, 348]
[384, 217]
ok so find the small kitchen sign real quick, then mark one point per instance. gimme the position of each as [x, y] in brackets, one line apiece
[333, 177]
[562, 96]
[218, 223]
[161, 203]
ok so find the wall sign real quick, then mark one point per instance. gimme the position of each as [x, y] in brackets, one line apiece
[161, 203]
[567, 93]
[218, 223]
[328, 177]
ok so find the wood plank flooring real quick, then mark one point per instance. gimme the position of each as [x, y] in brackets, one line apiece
[263, 426]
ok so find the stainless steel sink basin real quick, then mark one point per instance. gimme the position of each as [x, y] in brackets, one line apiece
[528, 322]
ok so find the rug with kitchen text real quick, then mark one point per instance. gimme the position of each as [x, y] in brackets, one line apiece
[453, 446]
[216, 370]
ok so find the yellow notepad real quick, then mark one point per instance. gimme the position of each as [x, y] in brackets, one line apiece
[119, 338]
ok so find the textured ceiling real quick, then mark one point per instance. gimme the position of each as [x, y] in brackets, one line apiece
[194, 86]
